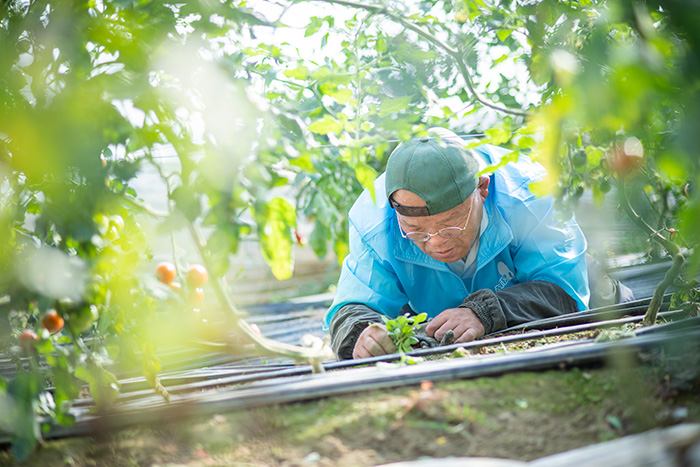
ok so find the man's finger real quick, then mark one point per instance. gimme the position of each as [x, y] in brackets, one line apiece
[435, 324]
[442, 330]
[373, 341]
[381, 337]
[382, 344]
[467, 336]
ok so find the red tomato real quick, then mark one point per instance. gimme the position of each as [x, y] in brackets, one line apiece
[52, 322]
[27, 339]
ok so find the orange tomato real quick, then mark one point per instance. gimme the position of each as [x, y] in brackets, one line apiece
[195, 297]
[166, 272]
[52, 322]
[197, 276]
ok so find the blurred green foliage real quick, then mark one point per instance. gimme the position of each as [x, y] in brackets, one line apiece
[254, 124]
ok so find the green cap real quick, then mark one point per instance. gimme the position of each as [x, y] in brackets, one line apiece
[439, 170]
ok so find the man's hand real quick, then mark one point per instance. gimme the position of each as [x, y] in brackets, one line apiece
[373, 341]
[463, 321]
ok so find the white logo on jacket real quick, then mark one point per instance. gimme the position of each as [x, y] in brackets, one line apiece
[506, 276]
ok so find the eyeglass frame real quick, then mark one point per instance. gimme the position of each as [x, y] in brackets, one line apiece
[431, 235]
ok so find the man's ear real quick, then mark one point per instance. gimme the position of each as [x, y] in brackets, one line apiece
[483, 186]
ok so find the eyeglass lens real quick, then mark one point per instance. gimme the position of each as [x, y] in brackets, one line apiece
[447, 232]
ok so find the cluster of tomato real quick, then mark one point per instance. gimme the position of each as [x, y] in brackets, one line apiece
[196, 277]
[166, 272]
[51, 321]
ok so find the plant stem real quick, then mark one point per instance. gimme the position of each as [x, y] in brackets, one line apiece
[657, 298]
[264, 345]
[144, 207]
[672, 248]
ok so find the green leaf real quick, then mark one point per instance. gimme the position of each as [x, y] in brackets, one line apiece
[614, 422]
[326, 125]
[275, 224]
[303, 162]
[497, 136]
[389, 106]
[342, 96]
[402, 330]
[300, 73]
[510, 157]
[500, 59]
[420, 318]
[315, 24]
[541, 188]
[19, 415]
[104, 386]
[540, 69]
[341, 248]
[594, 155]
[672, 167]
[366, 175]
[598, 197]
[319, 238]
[503, 34]
[526, 142]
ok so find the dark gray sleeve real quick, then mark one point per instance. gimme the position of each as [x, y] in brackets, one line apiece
[346, 326]
[519, 304]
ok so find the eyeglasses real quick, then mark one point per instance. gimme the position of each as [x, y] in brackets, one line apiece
[447, 232]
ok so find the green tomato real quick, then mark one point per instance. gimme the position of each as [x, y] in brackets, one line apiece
[101, 222]
[81, 320]
[117, 221]
[112, 234]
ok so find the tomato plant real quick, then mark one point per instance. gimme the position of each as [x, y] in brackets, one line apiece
[402, 330]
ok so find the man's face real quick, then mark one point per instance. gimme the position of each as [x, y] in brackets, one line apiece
[446, 250]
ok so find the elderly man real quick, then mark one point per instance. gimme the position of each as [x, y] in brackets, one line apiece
[476, 253]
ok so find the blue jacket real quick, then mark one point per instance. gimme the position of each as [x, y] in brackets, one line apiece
[524, 241]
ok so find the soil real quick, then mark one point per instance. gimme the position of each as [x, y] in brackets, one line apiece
[520, 416]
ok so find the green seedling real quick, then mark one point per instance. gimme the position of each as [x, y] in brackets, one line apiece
[402, 330]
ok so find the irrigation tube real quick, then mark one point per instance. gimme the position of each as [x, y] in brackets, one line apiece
[635, 308]
[237, 376]
[303, 370]
[286, 390]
